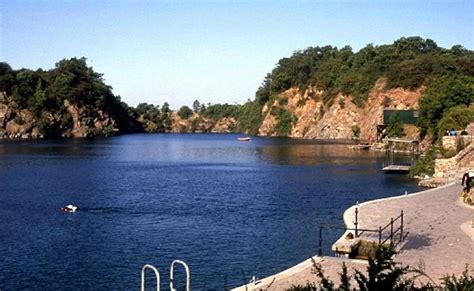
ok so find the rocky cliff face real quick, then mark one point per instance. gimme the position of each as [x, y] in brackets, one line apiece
[314, 120]
[198, 123]
[75, 121]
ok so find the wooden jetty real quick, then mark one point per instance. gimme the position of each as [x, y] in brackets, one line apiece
[394, 145]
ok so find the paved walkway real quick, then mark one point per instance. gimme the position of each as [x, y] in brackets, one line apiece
[433, 219]
[440, 235]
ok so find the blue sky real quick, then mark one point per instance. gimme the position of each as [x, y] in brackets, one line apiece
[214, 51]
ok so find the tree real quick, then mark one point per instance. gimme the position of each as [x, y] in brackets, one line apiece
[185, 112]
[285, 122]
[355, 131]
[443, 94]
[165, 108]
[5, 68]
[196, 106]
[458, 117]
[394, 126]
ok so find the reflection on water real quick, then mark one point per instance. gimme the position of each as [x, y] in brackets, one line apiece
[229, 209]
[313, 154]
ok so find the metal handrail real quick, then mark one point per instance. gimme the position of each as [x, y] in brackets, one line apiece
[188, 279]
[157, 274]
[358, 231]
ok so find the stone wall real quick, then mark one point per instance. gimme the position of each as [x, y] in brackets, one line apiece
[443, 167]
[453, 168]
[451, 142]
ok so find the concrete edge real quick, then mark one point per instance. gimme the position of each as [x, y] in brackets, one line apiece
[267, 281]
[347, 214]
[263, 283]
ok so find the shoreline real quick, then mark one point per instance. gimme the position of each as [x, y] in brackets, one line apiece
[444, 240]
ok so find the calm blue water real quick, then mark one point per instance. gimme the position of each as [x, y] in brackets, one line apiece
[229, 209]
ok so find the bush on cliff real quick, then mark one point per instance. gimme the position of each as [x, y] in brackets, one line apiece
[440, 96]
[409, 62]
[250, 117]
[285, 122]
[71, 80]
[458, 117]
[185, 112]
[394, 126]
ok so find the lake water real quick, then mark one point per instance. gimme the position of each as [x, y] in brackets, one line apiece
[229, 209]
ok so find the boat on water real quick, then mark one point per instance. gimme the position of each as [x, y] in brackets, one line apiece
[364, 146]
[361, 146]
[244, 138]
[69, 208]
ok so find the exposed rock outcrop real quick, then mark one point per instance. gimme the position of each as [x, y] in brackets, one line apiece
[75, 121]
[199, 123]
[316, 120]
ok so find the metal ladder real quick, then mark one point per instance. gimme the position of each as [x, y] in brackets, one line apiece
[157, 274]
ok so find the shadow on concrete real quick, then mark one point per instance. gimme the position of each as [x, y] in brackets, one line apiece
[417, 241]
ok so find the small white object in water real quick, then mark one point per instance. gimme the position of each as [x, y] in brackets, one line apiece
[69, 208]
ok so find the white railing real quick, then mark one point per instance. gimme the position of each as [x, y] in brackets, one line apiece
[157, 274]
[188, 279]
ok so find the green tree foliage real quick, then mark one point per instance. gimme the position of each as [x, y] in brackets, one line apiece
[71, 80]
[441, 95]
[458, 117]
[218, 111]
[394, 126]
[165, 122]
[250, 117]
[409, 63]
[285, 121]
[185, 112]
[197, 106]
[463, 282]
[355, 131]
[383, 273]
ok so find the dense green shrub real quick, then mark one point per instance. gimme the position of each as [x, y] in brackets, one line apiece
[71, 80]
[285, 122]
[409, 63]
[383, 273]
[425, 163]
[185, 112]
[394, 126]
[218, 111]
[457, 117]
[250, 117]
[442, 94]
[355, 131]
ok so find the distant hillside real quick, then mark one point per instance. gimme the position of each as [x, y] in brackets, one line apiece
[326, 92]
[70, 100]
[320, 92]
